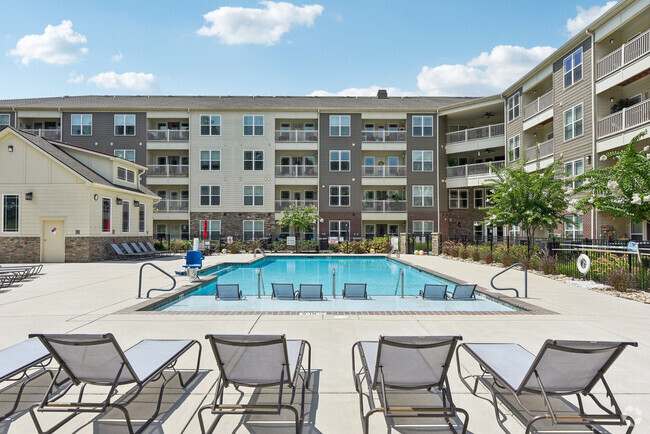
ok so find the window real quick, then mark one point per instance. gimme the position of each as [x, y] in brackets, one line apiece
[423, 195]
[339, 195]
[479, 228]
[253, 229]
[210, 195]
[513, 148]
[106, 214]
[513, 106]
[339, 161]
[573, 122]
[340, 125]
[125, 175]
[210, 125]
[479, 197]
[127, 154]
[214, 229]
[254, 195]
[81, 125]
[253, 160]
[515, 232]
[5, 121]
[422, 126]
[636, 231]
[10, 208]
[142, 222]
[369, 231]
[253, 125]
[574, 229]
[573, 169]
[573, 68]
[422, 228]
[458, 199]
[210, 160]
[126, 216]
[423, 161]
[339, 229]
[124, 125]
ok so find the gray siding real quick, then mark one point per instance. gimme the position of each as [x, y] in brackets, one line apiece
[420, 178]
[516, 126]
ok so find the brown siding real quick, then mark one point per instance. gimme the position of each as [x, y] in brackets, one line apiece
[516, 126]
[420, 178]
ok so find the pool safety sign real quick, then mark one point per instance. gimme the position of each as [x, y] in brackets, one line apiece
[291, 241]
[333, 240]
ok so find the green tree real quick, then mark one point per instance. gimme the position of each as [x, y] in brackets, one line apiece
[533, 200]
[622, 189]
[300, 218]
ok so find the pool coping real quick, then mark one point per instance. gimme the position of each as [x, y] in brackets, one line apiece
[147, 307]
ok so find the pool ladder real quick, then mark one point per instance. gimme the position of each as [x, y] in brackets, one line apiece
[154, 289]
[512, 289]
[400, 278]
[260, 284]
[258, 250]
[393, 250]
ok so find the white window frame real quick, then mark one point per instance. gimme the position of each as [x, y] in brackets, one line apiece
[514, 152]
[574, 228]
[253, 160]
[514, 106]
[419, 227]
[110, 215]
[210, 194]
[514, 232]
[2, 124]
[17, 196]
[253, 195]
[254, 125]
[422, 162]
[211, 229]
[571, 170]
[365, 230]
[142, 222]
[340, 125]
[123, 153]
[339, 229]
[209, 161]
[210, 124]
[340, 160]
[421, 126]
[123, 123]
[339, 195]
[126, 177]
[81, 124]
[574, 122]
[482, 204]
[421, 195]
[253, 230]
[456, 200]
[572, 69]
[126, 205]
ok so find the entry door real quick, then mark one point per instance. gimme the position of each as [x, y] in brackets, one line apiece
[53, 241]
[381, 230]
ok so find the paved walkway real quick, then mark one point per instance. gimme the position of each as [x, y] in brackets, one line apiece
[86, 298]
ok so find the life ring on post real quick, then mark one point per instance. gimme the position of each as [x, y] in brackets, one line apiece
[583, 263]
[381, 163]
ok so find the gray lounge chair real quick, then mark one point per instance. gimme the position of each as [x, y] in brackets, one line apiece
[310, 291]
[145, 253]
[405, 363]
[434, 292]
[283, 291]
[121, 255]
[130, 252]
[355, 290]
[146, 249]
[228, 291]
[258, 361]
[97, 359]
[462, 292]
[561, 368]
[153, 249]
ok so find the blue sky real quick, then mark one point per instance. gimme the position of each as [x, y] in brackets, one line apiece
[413, 47]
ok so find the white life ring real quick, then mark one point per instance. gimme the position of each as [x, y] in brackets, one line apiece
[583, 263]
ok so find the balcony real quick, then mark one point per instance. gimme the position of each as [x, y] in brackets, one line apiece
[282, 204]
[390, 205]
[172, 205]
[539, 105]
[624, 55]
[296, 136]
[383, 136]
[545, 149]
[485, 132]
[296, 171]
[168, 135]
[168, 170]
[623, 120]
[384, 171]
[471, 175]
[50, 134]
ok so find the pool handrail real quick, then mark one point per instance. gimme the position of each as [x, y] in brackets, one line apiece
[512, 289]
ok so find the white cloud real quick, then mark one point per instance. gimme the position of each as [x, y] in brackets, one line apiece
[75, 78]
[363, 91]
[57, 45]
[584, 17]
[238, 25]
[127, 80]
[117, 57]
[487, 74]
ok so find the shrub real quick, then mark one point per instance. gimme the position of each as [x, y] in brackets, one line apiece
[449, 247]
[620, 279]
[506, 260]
[547, 263]
[476, 254]
[487, 257]
[237, 246]
[277, 246]
[381, 245]
[463, 252]
[307, 245]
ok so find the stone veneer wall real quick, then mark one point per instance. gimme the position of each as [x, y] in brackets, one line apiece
[466, 218]
[231, 222]
[89, 249]
[20, 249]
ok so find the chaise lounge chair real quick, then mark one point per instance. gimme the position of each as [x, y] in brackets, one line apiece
[97, 359]
[153, 249]
[145, 253]
[405, 363]
[462, 292]
[434, 292]
[121, 255]
[561, 368]
[258, 361]
[283, 291]
[228, 291]
[310, 291]
[355, 291]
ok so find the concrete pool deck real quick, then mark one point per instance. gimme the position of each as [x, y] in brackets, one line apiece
[92, 298]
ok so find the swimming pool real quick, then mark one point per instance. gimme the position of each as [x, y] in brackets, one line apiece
[381, 274]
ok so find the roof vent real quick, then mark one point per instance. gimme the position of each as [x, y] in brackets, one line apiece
[382, 94]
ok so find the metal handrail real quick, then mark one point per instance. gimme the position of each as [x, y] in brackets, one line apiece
[154, 289]
[259, 281]
[400, 277]
[512, 289]
[393, 250]
[333, 282]
[258, 250]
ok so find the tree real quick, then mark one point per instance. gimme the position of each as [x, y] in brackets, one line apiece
[622, 189]
[531, 200]
[300, 218]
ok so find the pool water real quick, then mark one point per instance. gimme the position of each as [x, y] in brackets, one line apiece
[379, 273]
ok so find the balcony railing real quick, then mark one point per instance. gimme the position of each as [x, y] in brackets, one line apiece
[389, 205]
[477, 169]
[627, 118]
[384, 171]
[168, 135]
[168, 170]
[545, 150]
[383, 136]
[296, 171]
[625, 54]
[282, 204]
[485, 132]
[172, 205]
[50, 134]
[296, 136]
[539, 105]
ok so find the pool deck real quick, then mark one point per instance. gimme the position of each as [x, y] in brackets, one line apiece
[100, 297]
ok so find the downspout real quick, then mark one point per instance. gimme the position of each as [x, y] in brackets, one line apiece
[318, 188]
[438, 150]
[594, 158]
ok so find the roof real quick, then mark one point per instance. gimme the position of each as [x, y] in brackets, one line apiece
[233, 102]
[51, 148]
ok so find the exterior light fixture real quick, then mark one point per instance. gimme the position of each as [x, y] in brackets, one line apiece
[588, 159]
[10, 148]
[136, 203]
[29, 196]
[118, 201]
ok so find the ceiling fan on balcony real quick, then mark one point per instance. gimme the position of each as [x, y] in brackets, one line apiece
[488, 115]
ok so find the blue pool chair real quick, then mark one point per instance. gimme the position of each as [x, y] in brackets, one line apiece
[434, 292]
[193, 263]
[310, 291]
[228, 291]
[283, 291]
[355, 290]
[462, 292]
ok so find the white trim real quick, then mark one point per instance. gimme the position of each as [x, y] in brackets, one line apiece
[329, 160]
[253, 195]
[82, 123]
[209, 125]
[340, 125]
[253, 169]
[244, 228]
[573, 123]
[482, 190]
[573, 67]
[518, 140]
[143, 207]
[210, 160]
[423, 161]
[243, 130]
[210, 187]
[110, 215]
[128, 221]
[512, 97]
[422, 126]
[2, 216]
[349, 196]
[458, 199]
[421, 196]
[115, 124]
[115, 151]
[126, 174]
